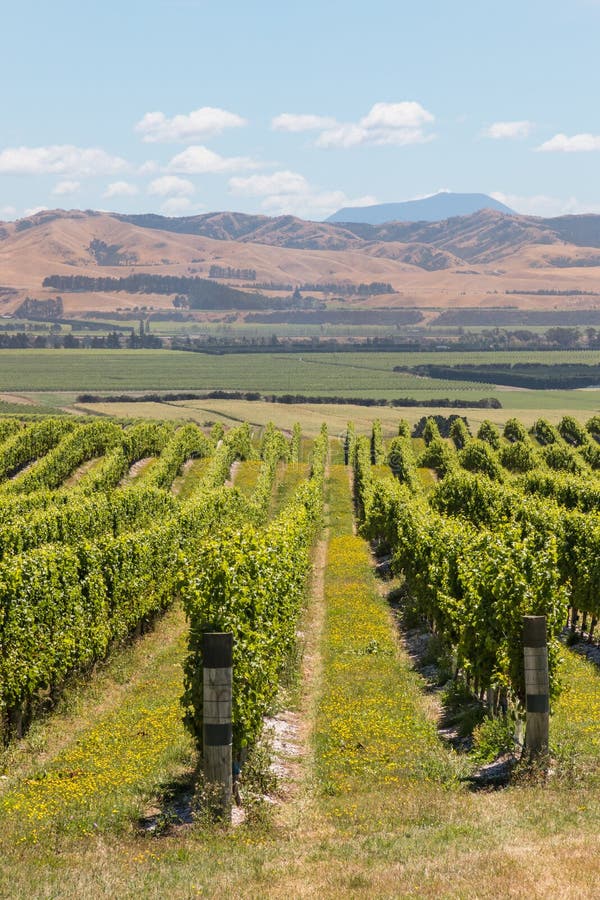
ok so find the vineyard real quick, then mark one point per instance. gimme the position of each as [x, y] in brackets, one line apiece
[123, 542]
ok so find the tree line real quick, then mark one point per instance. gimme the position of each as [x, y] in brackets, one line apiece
[201, 293]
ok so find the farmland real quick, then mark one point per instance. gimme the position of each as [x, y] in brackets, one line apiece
[51, 380]
[98, 768]
[345, 374]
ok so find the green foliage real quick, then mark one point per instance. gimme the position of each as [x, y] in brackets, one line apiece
[217, 432]
[438, 455]
[188, 442]
[592, 426]
[514, 431]
[349, 444]
[377, 448]
[545, 432]
[518, 457]
[251, 581]
[78, 445]
[431, 432]
[567, 490]
[590, 453]
[562, 458]
[30, 443]
[489, 433]
[478, 456]
[401, 461]
[572, 432]
[274, 448]
[81, 570]
[474, 584]
[459, 433]
[492, 738]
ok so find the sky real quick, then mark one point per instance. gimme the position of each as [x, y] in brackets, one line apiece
[181, 107]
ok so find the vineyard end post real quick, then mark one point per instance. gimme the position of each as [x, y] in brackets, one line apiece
[217, 659]
[537, 685]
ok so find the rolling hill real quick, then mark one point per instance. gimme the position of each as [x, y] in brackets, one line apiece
[471, 260]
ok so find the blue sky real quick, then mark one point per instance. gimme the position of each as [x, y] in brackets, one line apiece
[188, 106]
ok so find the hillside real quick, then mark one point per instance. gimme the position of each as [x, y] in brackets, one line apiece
[444, 205]
[475, 260]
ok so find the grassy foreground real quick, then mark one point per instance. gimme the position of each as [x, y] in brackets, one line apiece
[379, 810]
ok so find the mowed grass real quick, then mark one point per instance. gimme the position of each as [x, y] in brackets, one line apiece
[371, 714]
[246, 475]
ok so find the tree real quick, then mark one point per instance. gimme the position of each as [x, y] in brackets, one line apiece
[564, 337]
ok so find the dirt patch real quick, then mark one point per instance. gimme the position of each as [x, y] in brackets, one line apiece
[283, 733]
[78, 474]
[136, 470]
[232, 473]
[23, 469]
[179, 481]
[17, 398]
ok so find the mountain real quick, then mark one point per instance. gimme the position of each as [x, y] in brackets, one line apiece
[483, 236]
[444, 205]
[481, 259]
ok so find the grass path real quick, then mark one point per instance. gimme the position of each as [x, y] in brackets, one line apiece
[372, 725]
[119, 751]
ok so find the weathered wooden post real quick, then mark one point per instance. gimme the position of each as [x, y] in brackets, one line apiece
[537, 685]
[217, 656]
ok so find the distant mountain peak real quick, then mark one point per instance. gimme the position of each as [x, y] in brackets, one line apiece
[444, 205]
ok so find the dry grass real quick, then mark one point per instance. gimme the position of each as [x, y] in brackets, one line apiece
[61, 247]
[311, 416]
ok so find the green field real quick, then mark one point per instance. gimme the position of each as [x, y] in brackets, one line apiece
[121, 370]
[52, 379]
[345, 374]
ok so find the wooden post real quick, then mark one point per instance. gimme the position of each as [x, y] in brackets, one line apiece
[537, 685]
[217, 658]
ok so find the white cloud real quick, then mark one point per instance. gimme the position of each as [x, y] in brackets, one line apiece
[148, 168]
[577, 143]
[296, 122]
[407, 114]
[66, 187]
[32, 211]
[8, 211]
[199, 160]
[64, 159]
[284, 182]
[286, 193]
[399, 124]
[544, 205]
[171, 185]
[208, 121]
[121, 189]
[509, 130]
[176, 206]
[343, 136]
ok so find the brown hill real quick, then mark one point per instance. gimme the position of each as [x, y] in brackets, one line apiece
[465, 261]
[483, 236]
